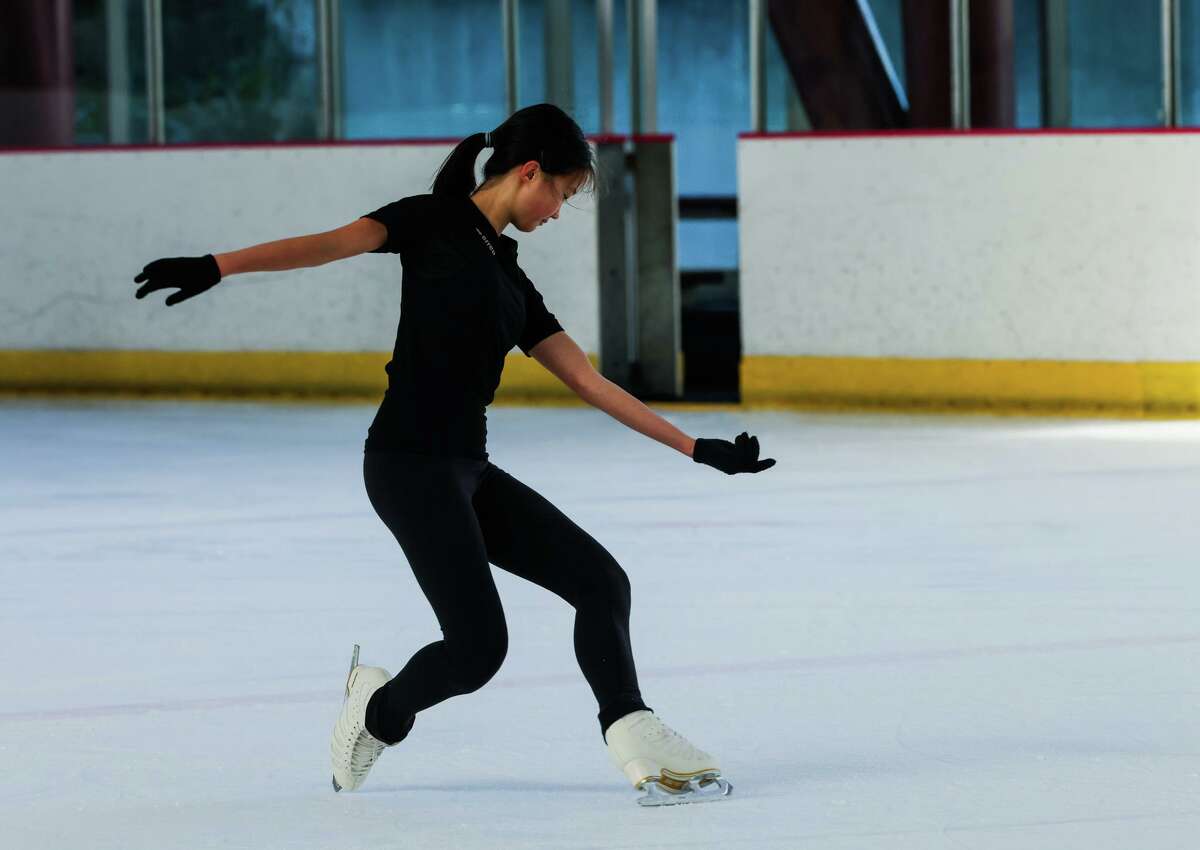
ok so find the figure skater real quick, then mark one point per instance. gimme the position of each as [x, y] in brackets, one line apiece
[465, 302]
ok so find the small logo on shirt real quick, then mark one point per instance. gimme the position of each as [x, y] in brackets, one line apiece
[485, 241]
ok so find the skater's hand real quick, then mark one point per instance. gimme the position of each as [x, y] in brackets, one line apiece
[192, 275]
[738, 456]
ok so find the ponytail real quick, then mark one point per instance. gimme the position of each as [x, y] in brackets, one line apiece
[457, 173]
[542, 132]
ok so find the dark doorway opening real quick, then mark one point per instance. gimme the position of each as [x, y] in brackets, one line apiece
[710, 324]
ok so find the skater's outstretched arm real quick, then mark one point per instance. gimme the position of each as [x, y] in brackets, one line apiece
[193, 275]
[299, 252]
[562, 356]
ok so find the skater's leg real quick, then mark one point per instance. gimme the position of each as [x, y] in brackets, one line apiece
[528, 536]
[426, 503]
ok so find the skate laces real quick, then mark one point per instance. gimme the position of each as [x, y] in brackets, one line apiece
[363, 754]
[365, 747]
[660, 733]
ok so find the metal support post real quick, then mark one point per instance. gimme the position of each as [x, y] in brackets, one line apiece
[643, 26]
[1056, 65]
[659, 307]
[560, 66]
[1170, 63]
[758, 66]
[612, 214]
[119, 94]
[960, 64]
[604, 59]
[156, 122]
[329, 68]
[508, 15]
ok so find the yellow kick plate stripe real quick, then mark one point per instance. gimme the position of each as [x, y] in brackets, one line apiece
[1031, 387]
[1024, 386]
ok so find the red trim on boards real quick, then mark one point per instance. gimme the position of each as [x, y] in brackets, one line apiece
[315, 143]
[614, 138]
[981, 132]
[618, 138]
[230, 146]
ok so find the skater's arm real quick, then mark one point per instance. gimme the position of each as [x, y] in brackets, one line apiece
[300, 252]
[623, 407]
[564, 358]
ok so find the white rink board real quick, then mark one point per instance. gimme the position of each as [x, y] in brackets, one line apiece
[79, 226]
[1040, 246]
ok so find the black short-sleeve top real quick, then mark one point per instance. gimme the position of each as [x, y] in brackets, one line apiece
[464, 304]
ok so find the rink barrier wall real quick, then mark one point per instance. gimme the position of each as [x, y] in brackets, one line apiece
[56, 337]
[1035, 272]
[81, 223]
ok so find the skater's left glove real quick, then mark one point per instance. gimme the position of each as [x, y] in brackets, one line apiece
[741, 455]
[192, 275]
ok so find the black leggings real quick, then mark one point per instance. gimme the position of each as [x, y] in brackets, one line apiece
[452, 516]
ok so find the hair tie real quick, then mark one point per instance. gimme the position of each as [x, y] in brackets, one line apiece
[487, 140]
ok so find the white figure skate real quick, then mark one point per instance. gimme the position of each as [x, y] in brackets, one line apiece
[661, 762]
[353, 748]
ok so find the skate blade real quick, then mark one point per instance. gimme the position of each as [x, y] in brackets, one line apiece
[694, 791]
[353, 664]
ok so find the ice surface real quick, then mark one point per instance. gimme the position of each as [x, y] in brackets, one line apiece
[910, 633]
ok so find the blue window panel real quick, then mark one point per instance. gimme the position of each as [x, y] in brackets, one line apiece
[1027, 61]
[531, 66]
[889, 20]
[239, 72]
[708, 244]
[1189, 49]
[1115, 55]
[422, 68]
[703, 89]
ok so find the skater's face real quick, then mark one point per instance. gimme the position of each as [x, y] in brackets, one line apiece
[540, 196]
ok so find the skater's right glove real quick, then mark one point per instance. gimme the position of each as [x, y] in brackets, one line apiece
[738, 456]
[192, 275]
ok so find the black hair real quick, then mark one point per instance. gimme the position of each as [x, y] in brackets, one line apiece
[541, 132]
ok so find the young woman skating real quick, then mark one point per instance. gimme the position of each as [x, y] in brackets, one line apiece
[465, 302]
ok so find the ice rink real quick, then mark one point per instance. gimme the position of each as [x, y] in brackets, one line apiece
[912, 632]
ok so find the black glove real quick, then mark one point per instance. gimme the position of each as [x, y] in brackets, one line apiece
[192, 275]
[738, 456]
